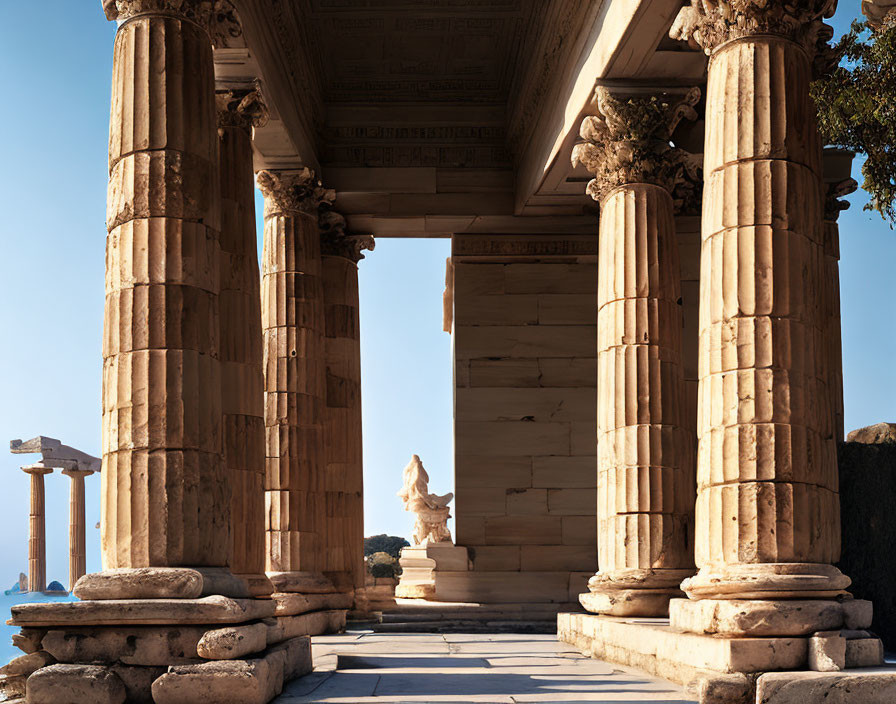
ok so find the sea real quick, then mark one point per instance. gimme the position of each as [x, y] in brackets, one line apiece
[9, 599]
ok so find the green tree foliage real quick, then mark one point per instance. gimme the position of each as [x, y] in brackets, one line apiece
[391, 544]
[856, 104]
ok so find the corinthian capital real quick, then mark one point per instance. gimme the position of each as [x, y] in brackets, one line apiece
[241, 108]
[711, 23]
[629, 142]
[293, 192]
[199, 11]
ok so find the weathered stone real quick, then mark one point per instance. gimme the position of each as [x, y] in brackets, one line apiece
[28, 639]
[130, 645]
[864, 652]
[628, 602]
[857, 613]
[12, 687]
[873, 434]
[75, 684]
[26, 664]
[254, 681]
[233, 642]
[283, 628]
[755, 618]
[827, 652]
[869, 687]
[726, 689]
[295, 604]
[211, 609]
[137, 681]
[140, 583]
[301, 582]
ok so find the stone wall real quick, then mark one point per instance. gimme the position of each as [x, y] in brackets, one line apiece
[867, 498]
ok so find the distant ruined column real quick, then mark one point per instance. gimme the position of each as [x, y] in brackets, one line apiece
[294, 367]
[768, 511]
[645, 451]
[242, 377]
[77, 526]
[165, 488]
[344, 562]
[37, 531]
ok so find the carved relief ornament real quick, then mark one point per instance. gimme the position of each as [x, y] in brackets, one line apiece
[629, 142]
[199, 11]
[833, 205]
[711, 23]
[288, 192]
[244, 108]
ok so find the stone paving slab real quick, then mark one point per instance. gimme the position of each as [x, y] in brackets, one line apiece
[470, 668]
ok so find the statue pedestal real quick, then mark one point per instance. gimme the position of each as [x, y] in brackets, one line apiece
[421, 564]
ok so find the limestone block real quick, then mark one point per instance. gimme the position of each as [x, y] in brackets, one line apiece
[496, 558]
[211, 609]
[472, 279]
[223, 682]
[569, 309]
[513, 404]
[628, 602]
[870, 687]
[527, 502]
[26, 664]
[294, 604]
[12, 688]
[864, 652]
[827, 652]
[545, 277]
[503, 587]
[470, 530]
[130, 645]
[297, 655]
[410, 589]
[579, 530]
[523, 530]
[726, 689]
[496, 310]
[857, 613]
[511, 438]
[564, 472]
[28, 640]
[137, 681]
[140, 583]
[569, 372]
[301, 582]
[497, 373]
[572, 502]
[525, 341]
[550, 558]
[476, 471]
[232, 642]
[480, 501]
[75, 684]
[315, 623]
[756, 618]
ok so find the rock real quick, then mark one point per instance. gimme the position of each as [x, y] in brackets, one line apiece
[316, 623]
[726, 689]
[125, 612]
[28, 640]
[301, 582]
[873, 434]
[828, 687]
[140, 583]
[222, 682]
[138, 681]
[857, 614]
[297, 652]
[11, 687]
[130, 645]
[294, 604]
[75, 684]
[233, 642]
[26, 664]
[864, 652]
[756, 618]
[827, 652]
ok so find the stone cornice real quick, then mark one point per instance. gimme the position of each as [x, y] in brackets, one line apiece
[833, 206]
[199, 11]
[289, 192]
[629, 142]
[244, 108]
[711, 23]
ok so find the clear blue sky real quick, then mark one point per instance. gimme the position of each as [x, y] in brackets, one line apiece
[53, 186]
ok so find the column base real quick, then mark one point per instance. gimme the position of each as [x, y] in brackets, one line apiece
[259, 585]
[633, 592]
[301, 582]
[161, 583]
[778, 580]
[767, 617]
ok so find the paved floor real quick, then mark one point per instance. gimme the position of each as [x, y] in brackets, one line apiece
[503, 669]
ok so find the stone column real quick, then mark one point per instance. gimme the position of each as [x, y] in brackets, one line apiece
[77, 526]
[768, 518]
[242, 379]
[295, 387]
[344, 562]
[165, 487]
[37, 531]
[645, 482]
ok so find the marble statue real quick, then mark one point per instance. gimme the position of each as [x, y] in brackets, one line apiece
[432, 513]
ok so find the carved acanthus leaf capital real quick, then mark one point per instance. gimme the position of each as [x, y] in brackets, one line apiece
[833, 205]
[629, 142]
[244, 108]
[226, 29]
[199, 11]
[288, 192]
[711, 23]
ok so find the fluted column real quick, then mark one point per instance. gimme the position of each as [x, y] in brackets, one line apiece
[165, 488]
[294, 370]
[242, 378]
[768, 519]
[645, 481]
[77, 526]
[37, 531]
[344, 551]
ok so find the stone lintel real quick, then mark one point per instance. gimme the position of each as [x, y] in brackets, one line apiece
[126, 612]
